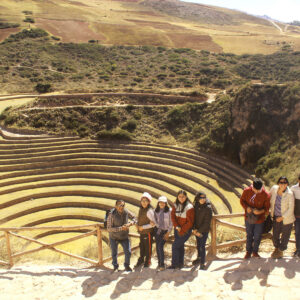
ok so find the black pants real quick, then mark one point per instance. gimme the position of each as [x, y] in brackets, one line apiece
[146, 247]
[281, 234]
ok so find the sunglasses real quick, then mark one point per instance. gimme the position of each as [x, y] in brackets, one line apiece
[121, 205]
[202, 197]
[283, 182]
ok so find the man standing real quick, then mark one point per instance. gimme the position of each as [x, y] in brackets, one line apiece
[118, 227]
[296, 190]
[256, 202]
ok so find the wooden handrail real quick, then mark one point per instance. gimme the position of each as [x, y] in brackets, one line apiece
[97, 230]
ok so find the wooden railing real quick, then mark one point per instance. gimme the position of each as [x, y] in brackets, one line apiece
[97, 230]
[94, 229]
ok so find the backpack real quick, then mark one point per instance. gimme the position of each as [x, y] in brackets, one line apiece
[106, 216]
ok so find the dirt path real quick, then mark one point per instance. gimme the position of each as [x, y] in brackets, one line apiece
[228, 278]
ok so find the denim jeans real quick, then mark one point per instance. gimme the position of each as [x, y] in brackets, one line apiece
[201, 241]
[178, 248]
[114, 251]
[160, 242]
[254, 232]
[297, 234]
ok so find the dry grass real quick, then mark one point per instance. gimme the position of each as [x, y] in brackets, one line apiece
[128, 22]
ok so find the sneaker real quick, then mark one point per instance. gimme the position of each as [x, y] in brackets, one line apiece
[196, 262]
[128, 269]
[202, 267]
[248, 255]
[171, 267]
[139, 263]
[161, 268]
[255, 254]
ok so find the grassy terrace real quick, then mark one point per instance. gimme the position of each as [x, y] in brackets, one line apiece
[67, 181]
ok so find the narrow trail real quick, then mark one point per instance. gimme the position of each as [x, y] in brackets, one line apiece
[277, 26]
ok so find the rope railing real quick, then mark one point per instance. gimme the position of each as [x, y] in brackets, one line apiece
[97, 230]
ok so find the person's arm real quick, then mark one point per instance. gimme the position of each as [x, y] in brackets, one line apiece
[109, 224]
[132, 217]
[170, 223]
[291, 208]
[173, 217]
[243, 200]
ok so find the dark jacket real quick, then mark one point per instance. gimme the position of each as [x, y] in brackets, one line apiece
[144, 220]
[115, 222]
[203, 216]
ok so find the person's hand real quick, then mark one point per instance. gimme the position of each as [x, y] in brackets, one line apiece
[152, 223]
[140, 228]
[279, 219]
[195, 232]
[249, 210]
[125, 228]
[256, 211]
[166, 236]
[199, 234]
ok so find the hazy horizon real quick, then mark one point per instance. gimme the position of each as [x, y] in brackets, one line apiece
[281, 10]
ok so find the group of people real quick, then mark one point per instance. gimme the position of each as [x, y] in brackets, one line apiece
[185, 217]
[281, 203]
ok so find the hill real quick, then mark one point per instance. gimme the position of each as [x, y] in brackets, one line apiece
[32, 57]
[168, 23]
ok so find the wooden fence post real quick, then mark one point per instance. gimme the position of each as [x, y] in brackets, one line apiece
[214, 236]
[100, 251]
[8, 248]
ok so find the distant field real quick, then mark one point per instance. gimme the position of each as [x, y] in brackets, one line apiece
[146, 23]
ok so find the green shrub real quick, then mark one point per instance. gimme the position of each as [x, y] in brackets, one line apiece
[130, 125]
[117, 134]
[43, 87]
[29, 20]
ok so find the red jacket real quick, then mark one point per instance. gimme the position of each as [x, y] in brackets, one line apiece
[183, 219]
[261, 201]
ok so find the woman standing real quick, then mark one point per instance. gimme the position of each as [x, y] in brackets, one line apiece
[282, 211]
[163, 223]
[145, 229]
[183, 219]
[203, 215]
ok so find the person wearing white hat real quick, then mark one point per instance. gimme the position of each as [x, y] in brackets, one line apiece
[163, 223]
[145, 229]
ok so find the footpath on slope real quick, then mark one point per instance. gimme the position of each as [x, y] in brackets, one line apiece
[226, 278]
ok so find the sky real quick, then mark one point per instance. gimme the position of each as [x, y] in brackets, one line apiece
[281, 10]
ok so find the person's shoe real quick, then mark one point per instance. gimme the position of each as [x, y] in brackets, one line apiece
[202, 267]
[280, 254]
[147, 265]
[128, 269]
[196, 262]
[162, 268]
[296, 253]
[255, 254]
[139, 263]
[116, 268]
[247, 255]
[179, 267]
[275, 253]
[171, 267]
